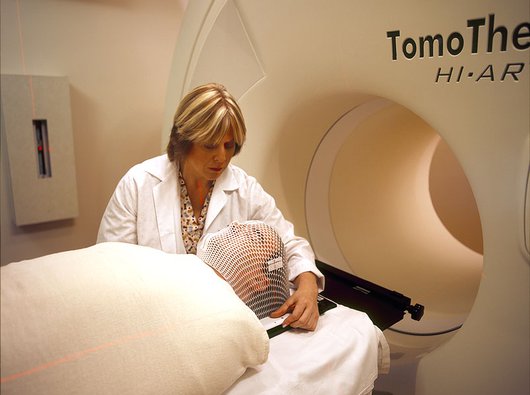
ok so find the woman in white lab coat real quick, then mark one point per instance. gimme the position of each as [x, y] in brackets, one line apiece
[168, 202]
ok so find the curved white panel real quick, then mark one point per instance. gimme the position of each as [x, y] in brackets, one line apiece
[525, 228]
[227, 46]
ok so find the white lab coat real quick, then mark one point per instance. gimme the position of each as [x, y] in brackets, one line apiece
[145, 210]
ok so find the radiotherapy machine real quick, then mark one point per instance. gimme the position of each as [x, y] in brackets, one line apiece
[395, 136]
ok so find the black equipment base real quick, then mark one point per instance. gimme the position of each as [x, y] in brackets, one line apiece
[383, 306]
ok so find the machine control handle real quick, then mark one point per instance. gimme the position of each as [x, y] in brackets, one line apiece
[416, 311]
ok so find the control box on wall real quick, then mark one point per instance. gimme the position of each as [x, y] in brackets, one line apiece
[37, 123]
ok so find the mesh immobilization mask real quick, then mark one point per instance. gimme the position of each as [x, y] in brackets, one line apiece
[250, 257]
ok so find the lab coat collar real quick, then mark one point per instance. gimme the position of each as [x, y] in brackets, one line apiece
[161, 168]
[167, 204]
[166, 197]
[225, 183]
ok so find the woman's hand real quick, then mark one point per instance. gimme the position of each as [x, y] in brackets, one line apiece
[302, 304]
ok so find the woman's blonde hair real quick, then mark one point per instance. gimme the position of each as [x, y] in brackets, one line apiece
[204, 116]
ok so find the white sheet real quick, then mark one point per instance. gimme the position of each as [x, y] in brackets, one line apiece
[343, 356]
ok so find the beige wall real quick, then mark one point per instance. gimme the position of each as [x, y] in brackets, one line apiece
[117, 57]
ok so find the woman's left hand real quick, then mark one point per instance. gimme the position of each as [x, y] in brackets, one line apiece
[302, 304]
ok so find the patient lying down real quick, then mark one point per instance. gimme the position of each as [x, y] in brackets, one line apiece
[86, 321]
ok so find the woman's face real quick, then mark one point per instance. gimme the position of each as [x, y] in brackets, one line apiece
[207, 162]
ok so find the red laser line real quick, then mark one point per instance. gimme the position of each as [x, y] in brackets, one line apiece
[80, 354]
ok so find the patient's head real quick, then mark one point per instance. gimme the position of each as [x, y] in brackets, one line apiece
[250, 257]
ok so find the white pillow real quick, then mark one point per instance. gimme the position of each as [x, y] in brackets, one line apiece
[123, 319]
